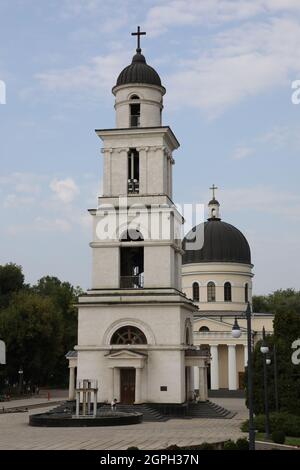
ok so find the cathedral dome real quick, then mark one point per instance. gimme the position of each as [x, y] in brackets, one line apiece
[222, 243]
[138, 72]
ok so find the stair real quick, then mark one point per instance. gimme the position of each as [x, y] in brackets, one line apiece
[149, 413]
[208, 410]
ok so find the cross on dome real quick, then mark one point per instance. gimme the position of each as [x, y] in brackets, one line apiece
[138, 33]
[213, 188]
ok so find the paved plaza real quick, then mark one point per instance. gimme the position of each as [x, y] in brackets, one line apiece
[16, 434]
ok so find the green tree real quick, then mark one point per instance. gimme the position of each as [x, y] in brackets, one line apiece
[11, 280]
[285, 304]
[64, 296]
[31, 327]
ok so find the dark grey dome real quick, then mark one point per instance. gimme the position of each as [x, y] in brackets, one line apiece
[138, 72]
[222, 243]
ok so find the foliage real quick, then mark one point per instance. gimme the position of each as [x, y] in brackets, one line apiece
[11, 281]
[285, 304]
[39, 326]
[278, 437]
[286, 422]
[230, 445]
[32, 329]
[242, 444]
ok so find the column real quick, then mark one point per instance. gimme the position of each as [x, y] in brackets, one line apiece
[202, 391]
[232, 382]
[71, 383]
[110, 389]
[245, 355]
[214, 367]
[116, 392]
[196, 377]
[138, 385]
[205, 384]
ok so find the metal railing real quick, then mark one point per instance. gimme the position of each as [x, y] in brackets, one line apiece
[133, 186]
[135, 120]
[132, 282]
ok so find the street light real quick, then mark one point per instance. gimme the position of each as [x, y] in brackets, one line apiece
[264, 350]
[236, 333]
[20, 372]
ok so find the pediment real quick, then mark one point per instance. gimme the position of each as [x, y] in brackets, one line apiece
[213, 324]
[126, 354]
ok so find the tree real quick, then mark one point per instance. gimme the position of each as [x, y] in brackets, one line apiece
[31, 327]
[64, 297]
[11, 280]
[285, 304]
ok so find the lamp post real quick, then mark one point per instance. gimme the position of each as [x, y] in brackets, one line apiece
[264, 349]
[236, 333]
[20, 372]
[276, 378]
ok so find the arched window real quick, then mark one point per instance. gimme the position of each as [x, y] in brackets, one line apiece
[133, 181]
[203, 328]
[196, 292]
[128, 335]
[135, 112]
[227, 292]
[211, 292]
[132, 260]
[246, 292]
[187, 336]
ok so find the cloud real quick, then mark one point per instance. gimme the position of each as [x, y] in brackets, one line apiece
[39, 224]
[166, 15]
[263, 199]
[15, 200]
[28, 183]
[243, 62]
[242, 152]
[65, 190]
[98, 74]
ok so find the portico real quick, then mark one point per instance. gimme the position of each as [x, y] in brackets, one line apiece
[126, 375]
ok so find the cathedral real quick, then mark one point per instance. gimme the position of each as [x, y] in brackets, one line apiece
[155, 327]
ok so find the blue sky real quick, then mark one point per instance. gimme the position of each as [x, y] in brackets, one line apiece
[228, 67]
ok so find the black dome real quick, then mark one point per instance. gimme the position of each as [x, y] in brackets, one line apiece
[138, 72]
[222, 243]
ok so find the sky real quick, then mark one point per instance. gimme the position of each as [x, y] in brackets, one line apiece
[228, 67]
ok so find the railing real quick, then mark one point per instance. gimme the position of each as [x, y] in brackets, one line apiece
[216, 334]
[135, 120]
[132, 282]
[133, 186]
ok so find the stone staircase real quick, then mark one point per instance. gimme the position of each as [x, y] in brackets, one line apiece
[208, 410]
[150, 414]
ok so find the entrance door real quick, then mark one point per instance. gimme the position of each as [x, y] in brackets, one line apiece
[127, 383]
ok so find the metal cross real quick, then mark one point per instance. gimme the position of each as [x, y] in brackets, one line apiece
[138, 34]
[213, 190]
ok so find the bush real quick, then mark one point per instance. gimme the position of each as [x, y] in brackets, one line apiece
[289, 424]
[207, 446]
[230, 445]
[278, 437]
[242, 444]
[132, 448]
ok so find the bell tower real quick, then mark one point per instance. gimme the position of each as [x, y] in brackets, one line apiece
[135, 315]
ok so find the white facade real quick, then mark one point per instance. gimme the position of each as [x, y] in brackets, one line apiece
[135, 330]
[215, 316]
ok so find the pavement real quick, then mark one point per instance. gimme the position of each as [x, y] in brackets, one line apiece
[15, 433]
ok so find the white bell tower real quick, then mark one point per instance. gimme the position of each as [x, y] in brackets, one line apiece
[135, 324]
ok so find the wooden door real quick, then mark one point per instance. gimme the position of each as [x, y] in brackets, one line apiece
[242, 380]
[127, 384]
